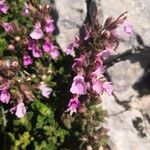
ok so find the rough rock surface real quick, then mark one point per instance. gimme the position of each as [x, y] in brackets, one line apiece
[72, 14]
[128, 129]
[129, 107]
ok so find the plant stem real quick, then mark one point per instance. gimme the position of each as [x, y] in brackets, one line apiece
[4, 118]
[4, 125]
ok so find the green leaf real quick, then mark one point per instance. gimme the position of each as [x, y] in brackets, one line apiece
[25, 121]
[41, 120]
[23, 141]
[42, 108]
[3, 46]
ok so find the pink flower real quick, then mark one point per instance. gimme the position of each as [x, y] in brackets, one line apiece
[99, 71]
[31, 44]
[104, 54]
[37, 53]
[54, 53]
[49, 26]
[47, 46]
[46, 91]
[97, 86]
[72, 45]
[52, 50]
[3, 6]
[5, 97]
[78, 63]
[70, 49]
[108, 87]
[5, 85]
[37, 33]
[2, 2]
[114, 33]
[26, 10]
[73, 105]
[20, 110]
[27, 60]
[7, 26]
[78, 86]
[128, 28]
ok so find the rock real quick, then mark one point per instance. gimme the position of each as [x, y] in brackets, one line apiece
[122, 126]
[138, 15]
[142, 104]
[94, 8]
[109, 104]
[71, 16]
[129, 128]
[45, 1]
[123, 75]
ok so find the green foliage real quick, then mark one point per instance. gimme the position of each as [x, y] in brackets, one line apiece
[23, 141]
[39, 129]
[3, 45]
[45, 126]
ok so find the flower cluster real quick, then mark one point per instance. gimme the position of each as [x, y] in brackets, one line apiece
[35, 45]
[43, 29]
[95, 45]
[3, 7]
[5, 95]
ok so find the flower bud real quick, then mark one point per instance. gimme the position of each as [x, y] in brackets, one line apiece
[47, 6]
[106, 34]
[44, 77]
[40, 7]
[19, 80]
[17, 38]
[28, 79]
[49, 71]
[14, 64]
[33, 76]
[11, 47]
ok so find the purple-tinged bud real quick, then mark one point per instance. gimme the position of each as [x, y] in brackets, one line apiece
[46, 91]
[26, 10]
[27, 60]
[73, 106]
[11, 47]
[7, 26]
[31, 44]
[5, 97]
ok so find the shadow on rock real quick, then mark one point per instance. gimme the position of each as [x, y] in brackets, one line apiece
[139, 54]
